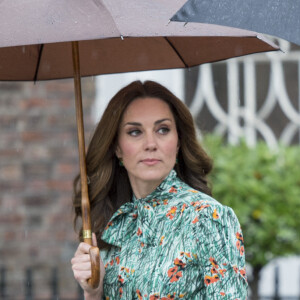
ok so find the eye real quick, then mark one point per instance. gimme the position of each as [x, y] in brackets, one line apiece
[163, 130]
[134, 132]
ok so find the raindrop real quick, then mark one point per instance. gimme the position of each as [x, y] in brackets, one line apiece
[122, 38]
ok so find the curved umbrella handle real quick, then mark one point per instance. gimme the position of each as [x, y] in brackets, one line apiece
[85, 202]
[95, 263]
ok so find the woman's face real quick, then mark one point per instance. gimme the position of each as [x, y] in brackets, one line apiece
[147, 141]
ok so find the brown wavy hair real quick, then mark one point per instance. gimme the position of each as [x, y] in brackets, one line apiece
[109, 186]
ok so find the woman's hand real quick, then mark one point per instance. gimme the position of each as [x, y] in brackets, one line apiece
[81, 266]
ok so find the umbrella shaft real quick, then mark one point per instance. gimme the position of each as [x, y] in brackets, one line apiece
[85, 204]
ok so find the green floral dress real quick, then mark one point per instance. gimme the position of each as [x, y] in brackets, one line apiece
[177, 243]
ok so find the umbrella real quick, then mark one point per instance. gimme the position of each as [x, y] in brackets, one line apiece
[275, 17]
[37, 40]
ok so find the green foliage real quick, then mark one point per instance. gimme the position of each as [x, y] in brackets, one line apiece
[263, 188]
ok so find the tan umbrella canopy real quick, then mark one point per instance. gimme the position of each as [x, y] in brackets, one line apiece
[114, 36]
[111, 36]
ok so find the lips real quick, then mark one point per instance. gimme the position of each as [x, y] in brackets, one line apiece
[150, 161]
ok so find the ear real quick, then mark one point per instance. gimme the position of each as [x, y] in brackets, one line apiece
[118, 152]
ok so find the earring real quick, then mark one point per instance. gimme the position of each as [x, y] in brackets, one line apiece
[121, 162]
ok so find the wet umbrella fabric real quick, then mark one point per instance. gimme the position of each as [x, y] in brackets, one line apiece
[279, 18]
[114, 36]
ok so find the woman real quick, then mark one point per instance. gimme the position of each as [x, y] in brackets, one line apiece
[161, 234]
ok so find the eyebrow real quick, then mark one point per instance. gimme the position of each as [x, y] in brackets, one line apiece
[140, 124]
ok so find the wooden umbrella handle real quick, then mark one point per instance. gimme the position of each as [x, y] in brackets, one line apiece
[85, 203]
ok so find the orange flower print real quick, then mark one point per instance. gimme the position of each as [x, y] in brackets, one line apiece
[215, 214]
[172, 271]
[222, 272]
[173, 274]
[120, 279]
[176, 277]
[213, 271]
[134, 216]
[183, 208]
[242, 251]
[243, 272]
[213, 262]
[108, 225]
[139, 232]
[138, 292]
[120, 211]
[170, 214]
[161, 240]
[154, 296]
[118, 260]
[198, 208]
[173, 190]
[235, 268]
[188, 254]
[216, 277]
[208, 280]
[195, 220]
[121, 292]
[179, 262]
[126, 269]
[193, 191]
[166, 201]
[111, 262]
[238, 244]
[222, 294]
[239, 237]
[169, 297]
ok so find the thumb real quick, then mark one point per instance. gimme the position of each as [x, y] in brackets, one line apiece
[94, 239]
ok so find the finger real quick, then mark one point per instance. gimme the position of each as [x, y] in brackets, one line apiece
[81, 258]
[94, 239]
[83, 248]
[82, 276]
[82, 267]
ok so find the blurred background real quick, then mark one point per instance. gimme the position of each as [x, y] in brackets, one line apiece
[247, 112]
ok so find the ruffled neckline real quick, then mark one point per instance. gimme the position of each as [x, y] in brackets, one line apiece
[164, 186]
[137, 217]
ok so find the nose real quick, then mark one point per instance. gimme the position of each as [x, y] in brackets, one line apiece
[150, 142]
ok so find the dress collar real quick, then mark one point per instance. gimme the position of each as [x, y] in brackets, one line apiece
[164, 186]
[137, 217]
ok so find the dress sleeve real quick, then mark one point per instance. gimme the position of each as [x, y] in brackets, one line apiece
[220, 250]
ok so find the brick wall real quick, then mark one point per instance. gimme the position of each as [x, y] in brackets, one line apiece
[39, 159]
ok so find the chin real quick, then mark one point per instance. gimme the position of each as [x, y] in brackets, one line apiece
[155, 175]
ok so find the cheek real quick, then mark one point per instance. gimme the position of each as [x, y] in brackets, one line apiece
[126, 149]
[172, 146]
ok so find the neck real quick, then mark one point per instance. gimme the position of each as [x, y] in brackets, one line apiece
[143, 189]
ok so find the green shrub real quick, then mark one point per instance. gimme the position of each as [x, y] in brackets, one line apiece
[263, 188]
